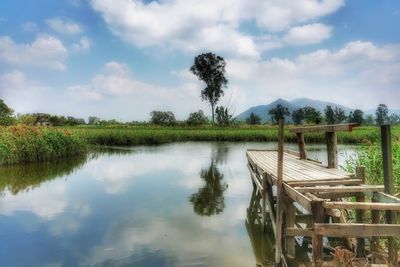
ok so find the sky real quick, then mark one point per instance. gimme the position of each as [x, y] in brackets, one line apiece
[122, 59]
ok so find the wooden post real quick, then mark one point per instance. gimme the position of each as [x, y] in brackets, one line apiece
[290, 221]
[360, 214]
[279, 202]
[264, 202]
[386, 142]
[302, 145]
[318, 213]
[374, 240]
[331, 146]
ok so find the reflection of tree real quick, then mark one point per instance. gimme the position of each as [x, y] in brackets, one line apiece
[209, 200]
[220, 153]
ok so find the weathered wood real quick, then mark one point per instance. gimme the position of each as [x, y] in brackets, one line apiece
[318, 213]
[331, 148]
[298, 197]
[302, 145]
[361, 205]
[256, 181]
[279, 197]
[386, 144]
[299, 232]
[356, 229]
[374, 246]
[334, 189]
[325, 128]
[290, 221]
[328, 182]
[360, 214]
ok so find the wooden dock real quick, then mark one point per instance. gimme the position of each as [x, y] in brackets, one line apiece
[292, 186]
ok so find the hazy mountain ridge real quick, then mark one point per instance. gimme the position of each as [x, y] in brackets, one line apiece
[262, 110]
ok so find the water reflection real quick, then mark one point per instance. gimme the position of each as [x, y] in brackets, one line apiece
[24, 177]
[209, 200]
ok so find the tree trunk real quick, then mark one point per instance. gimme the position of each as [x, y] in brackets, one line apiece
[212, 112]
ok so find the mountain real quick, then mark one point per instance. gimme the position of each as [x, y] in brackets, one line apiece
[262, 110]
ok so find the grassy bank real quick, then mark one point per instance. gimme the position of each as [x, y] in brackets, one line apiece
[33, 144]
[370, 156]
[148, 135]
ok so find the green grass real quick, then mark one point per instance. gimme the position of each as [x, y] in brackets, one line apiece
[149, 135]
[20, 144]
[370, 156]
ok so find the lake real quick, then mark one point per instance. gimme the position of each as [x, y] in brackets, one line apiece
[181, 204]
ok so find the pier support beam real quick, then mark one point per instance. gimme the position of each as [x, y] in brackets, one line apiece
[331, 145]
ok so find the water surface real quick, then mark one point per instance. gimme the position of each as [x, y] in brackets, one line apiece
[180, 204]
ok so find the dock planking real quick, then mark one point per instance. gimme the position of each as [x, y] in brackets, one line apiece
[308, 188]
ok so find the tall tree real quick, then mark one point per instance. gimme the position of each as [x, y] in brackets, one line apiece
[356, 116]
[311, 115]
[298, 116]
[329, 115]
[210, 69]
[6, 114]
[340, 115]
[277, 113]
[381, 114]
[253, 119]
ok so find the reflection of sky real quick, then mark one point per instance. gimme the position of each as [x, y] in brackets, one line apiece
[132, 209]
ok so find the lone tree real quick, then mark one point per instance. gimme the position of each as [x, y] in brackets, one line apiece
[277, 113]
[210, 69]
[6, 114]
[381, 114]
[356, 116]
[253, 119]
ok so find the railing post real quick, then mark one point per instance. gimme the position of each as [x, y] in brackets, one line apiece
[331, 146]
[279, 196]
[386, 143]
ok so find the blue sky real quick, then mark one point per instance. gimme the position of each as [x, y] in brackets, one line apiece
[124, 58]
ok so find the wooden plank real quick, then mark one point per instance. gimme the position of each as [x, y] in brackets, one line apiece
[324, 182]
[333, 189]
[290, 221]
[292, 231]
[356, 229]
[361, 205]
[304, 201]
[360, 214]
[302, 145]
[331, 149]
[279, 197]
[325, 128]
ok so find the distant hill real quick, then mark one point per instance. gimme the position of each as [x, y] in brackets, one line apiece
[262, 110]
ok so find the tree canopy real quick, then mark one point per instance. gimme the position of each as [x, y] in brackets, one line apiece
[210, 69]
[277, 113]
[382, 114]
[253, 119]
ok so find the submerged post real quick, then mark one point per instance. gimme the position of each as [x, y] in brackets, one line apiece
[279, 202]
[386, 143]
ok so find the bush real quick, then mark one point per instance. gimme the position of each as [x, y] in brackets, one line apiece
[162, 118]
[197, 118]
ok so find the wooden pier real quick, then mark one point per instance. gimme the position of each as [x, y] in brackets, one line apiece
[292, 187]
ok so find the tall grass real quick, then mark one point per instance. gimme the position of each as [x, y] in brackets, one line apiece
[33, 144]
[370, 156]
[148, 135]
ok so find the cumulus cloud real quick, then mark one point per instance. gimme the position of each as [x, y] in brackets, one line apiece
[196, 25]
[307, 34]
[83, 44]
[45, 51]
[357, 69]
[64, 26]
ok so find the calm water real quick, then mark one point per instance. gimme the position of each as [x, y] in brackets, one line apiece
[171, 205]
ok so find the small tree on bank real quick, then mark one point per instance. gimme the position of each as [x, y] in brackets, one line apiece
[223, 116]
[6, 114]
[277, 113]
[298, 116]
[381, 114]
[197, 118]
[210, 69]
[356, 116]
[166, 118]
[253, 119]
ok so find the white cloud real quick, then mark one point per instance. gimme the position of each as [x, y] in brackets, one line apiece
[64, 26]
[117, 88]
[308, 34]
[359, 69]
[208, 24]
[44, 51]
[30, 26]
[83, 44]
